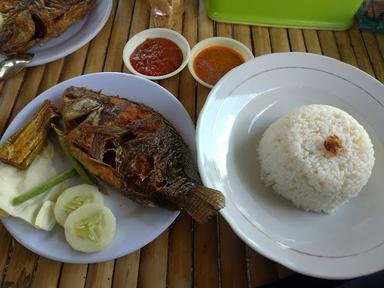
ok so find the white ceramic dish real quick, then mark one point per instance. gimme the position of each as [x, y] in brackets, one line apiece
[217, 41]
[156, 33]
[345, 244]
[136, 225]
[74, 38]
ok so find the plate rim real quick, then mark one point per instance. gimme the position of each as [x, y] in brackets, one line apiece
[266, 251]
[85, 40]
[159, 230]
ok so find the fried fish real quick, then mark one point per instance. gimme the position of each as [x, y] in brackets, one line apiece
[27, 22]
[136, 150]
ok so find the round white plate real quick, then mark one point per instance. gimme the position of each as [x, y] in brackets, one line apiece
[74, 38]
[345, 244]
[136, 225]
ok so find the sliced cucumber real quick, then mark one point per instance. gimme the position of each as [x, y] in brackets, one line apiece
[90, 228]
[74, 197]
[45, 218]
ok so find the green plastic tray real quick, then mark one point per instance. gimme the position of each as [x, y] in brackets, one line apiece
[319, 14]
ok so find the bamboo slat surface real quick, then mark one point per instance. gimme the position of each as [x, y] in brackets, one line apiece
[187, 254]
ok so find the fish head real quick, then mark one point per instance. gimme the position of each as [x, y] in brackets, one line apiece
[17, 32]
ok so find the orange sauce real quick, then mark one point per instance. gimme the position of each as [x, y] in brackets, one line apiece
[213, 62]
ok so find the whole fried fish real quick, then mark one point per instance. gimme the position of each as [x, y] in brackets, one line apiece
[27, 22]
[135, 149]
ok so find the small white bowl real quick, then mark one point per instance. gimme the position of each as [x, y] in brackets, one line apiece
[140, 37]
[217, 41]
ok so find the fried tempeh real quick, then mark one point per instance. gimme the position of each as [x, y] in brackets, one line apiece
[23, 146]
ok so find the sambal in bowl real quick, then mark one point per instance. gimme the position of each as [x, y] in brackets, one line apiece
[212, 58]
[156, 53]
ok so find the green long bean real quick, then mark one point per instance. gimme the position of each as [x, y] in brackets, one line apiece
[44, 187]
[74, 163]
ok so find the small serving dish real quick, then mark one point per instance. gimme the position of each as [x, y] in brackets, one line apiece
[141, 37]
[232, 44]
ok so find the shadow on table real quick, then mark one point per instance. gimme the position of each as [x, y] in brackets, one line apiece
[375, 280]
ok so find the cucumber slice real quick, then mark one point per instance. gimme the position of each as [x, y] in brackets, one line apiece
[90, 228]
[45, 218]
[74, 197]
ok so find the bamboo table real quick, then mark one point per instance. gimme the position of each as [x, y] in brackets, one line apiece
[187, 254]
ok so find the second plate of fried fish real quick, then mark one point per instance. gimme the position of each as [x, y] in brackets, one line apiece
[49, 29]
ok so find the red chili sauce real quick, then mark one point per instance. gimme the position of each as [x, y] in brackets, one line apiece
[156, 57]
[213, 62]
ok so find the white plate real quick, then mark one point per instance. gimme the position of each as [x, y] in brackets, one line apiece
[345, 244]
[74, 38]
[136, 225]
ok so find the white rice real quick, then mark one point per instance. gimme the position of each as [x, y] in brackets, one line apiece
[296, 164]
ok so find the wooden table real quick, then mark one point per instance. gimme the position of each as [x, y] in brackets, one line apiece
[187, 254]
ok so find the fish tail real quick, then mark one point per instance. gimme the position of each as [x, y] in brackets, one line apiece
[203, 203]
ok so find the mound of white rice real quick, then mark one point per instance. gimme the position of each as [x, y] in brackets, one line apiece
[318, 157]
